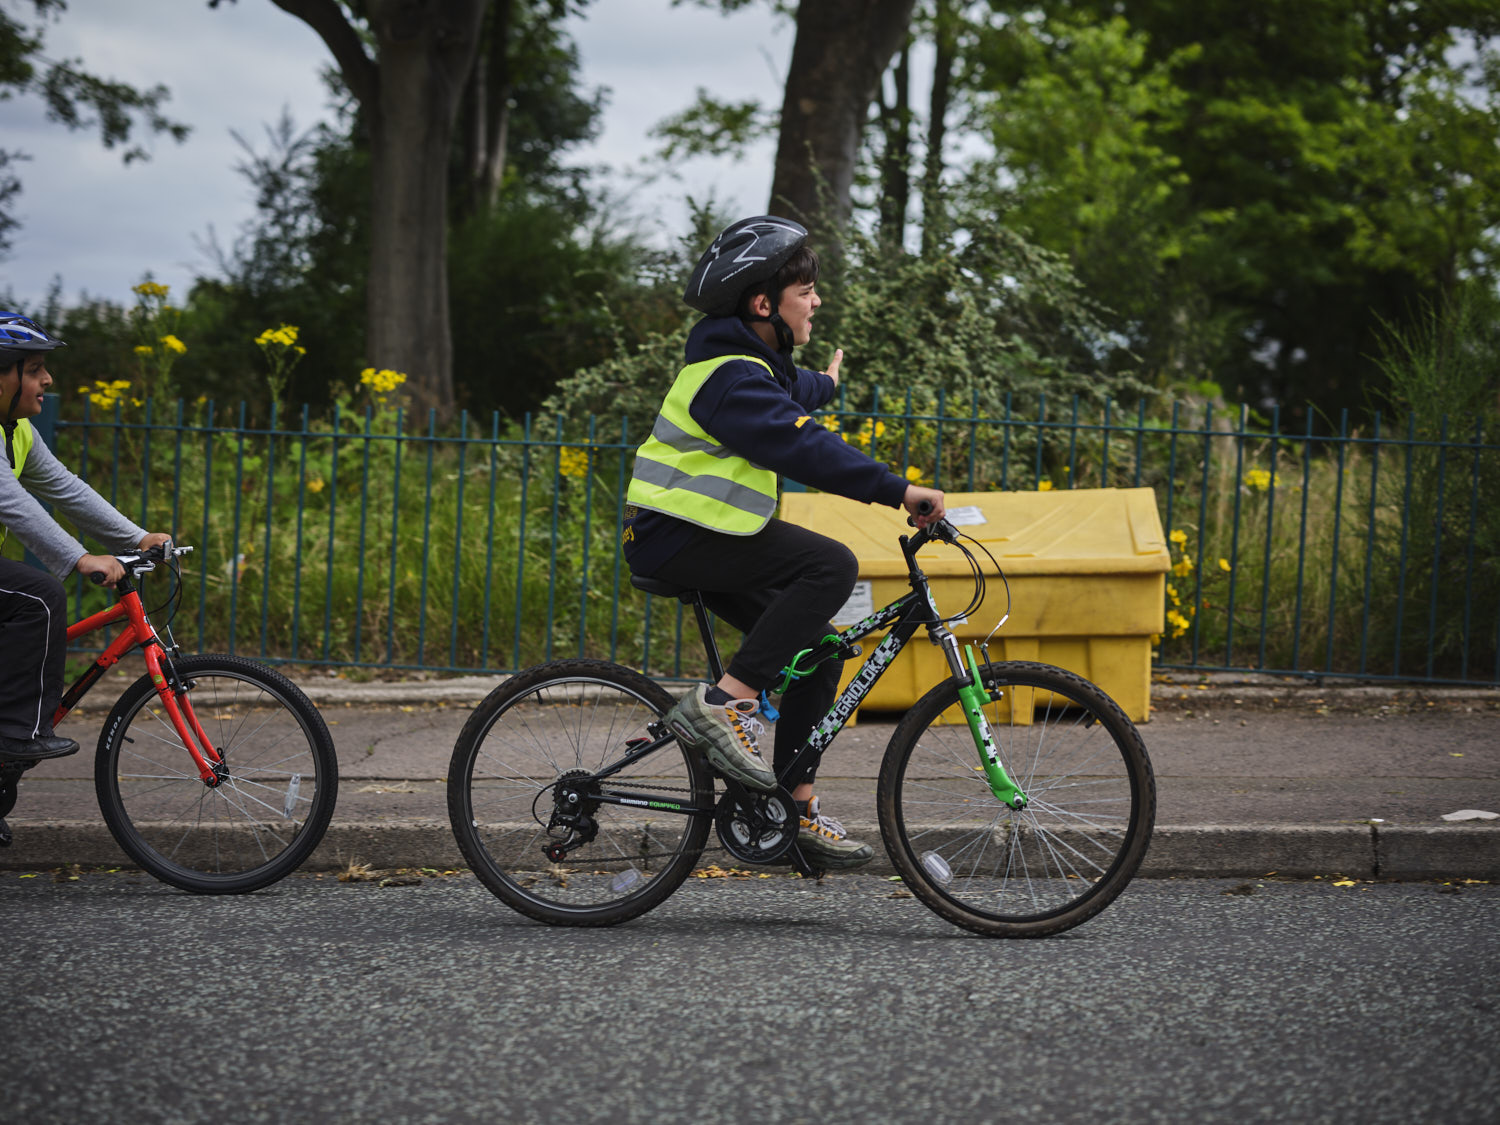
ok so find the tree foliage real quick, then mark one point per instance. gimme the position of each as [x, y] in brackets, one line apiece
[1256, 186]
[74, 98]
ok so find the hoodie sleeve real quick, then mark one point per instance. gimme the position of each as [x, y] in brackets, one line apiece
[48, 479]
[812, 389]
[747, 410]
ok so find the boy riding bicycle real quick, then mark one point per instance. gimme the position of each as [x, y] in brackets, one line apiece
[33, 617]
[704, 490]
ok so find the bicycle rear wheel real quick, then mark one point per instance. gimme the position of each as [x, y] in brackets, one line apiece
[266, 814]
[1018, 873]
[569, 719]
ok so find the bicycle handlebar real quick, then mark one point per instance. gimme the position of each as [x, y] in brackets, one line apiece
[137, 563]
[939, 529]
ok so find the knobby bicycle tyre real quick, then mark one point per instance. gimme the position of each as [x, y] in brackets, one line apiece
[1018, 873]
[574, 717]
[265, 816]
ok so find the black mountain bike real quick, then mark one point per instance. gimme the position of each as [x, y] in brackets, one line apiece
[1016, 799]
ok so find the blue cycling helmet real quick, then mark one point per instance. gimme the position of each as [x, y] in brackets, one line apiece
[20, 336]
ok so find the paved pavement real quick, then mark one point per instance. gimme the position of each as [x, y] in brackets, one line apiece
[1254, 776]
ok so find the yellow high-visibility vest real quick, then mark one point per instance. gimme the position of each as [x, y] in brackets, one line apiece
[682, 471]
[20, 444]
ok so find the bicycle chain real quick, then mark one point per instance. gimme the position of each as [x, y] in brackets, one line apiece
[683, 789]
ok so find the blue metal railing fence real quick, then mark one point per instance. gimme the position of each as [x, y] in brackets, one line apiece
[381, 542]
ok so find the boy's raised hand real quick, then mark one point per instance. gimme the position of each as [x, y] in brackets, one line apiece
[833, 367]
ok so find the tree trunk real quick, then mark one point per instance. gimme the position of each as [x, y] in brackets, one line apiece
[410, 93]
[895, 154]
[486, 116]
[945, 33]
[841, 51]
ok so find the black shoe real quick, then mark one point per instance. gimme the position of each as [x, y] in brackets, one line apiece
[36, 749]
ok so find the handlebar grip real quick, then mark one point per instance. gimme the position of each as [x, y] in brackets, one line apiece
[924, 507]
[96, 578]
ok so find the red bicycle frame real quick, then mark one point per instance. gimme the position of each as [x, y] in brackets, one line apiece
[138, 632]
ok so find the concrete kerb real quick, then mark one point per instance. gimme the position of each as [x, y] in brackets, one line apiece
[1186, 851]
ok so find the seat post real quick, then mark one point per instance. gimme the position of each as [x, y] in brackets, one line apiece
[706, 631]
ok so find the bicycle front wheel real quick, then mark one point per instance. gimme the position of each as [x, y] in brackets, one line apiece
[1031, 872]
[274, 797]
[557, 723]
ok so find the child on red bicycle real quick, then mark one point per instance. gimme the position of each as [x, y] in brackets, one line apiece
[704, 490]
[33, 618]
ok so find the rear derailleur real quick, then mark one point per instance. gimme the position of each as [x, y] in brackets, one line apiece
[572, 822]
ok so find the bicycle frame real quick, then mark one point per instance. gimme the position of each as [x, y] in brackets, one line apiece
[904, 616]
[138, 632]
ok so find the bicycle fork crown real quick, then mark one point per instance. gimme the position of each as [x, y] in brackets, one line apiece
[973, 697]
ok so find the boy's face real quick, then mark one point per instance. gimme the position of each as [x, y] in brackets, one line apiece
[798, 303]
[34, 381]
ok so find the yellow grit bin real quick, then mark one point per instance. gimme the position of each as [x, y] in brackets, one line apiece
[1087, 570]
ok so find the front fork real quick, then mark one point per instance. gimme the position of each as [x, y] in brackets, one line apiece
[972, 696]
[179, 708]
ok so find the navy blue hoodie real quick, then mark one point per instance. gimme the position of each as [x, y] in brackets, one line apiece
[766, 421]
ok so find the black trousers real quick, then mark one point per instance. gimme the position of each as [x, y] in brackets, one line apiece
[33, 645]
[779, 586]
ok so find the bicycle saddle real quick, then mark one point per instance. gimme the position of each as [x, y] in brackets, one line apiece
[663, 589]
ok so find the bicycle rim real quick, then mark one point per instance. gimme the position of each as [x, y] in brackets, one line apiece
[263, 818]
[574, 717]
[1030, 872]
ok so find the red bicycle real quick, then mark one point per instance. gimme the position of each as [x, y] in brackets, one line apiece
[214, 773]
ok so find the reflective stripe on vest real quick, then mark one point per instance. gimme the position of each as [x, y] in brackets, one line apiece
[682, 471]
[20, 444]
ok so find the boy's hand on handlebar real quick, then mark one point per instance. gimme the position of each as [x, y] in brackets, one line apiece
[154, 539]
[924, 504]
[103, 570]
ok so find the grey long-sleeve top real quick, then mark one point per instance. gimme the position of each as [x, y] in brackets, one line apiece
[45, 478]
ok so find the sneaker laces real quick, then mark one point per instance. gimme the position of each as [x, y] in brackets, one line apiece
[820, 823]
[746, 726]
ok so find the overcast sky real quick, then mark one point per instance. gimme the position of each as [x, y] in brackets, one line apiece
[101, 226]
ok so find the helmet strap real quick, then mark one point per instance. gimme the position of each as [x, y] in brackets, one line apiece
[785, 341]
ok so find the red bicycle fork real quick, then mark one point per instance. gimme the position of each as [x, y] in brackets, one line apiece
[139, 633]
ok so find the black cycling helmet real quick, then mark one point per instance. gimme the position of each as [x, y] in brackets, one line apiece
[744, 255]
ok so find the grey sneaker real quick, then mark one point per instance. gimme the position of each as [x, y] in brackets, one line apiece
[824, 844]
[725, 733]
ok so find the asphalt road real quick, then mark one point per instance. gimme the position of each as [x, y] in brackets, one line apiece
[773, 1000]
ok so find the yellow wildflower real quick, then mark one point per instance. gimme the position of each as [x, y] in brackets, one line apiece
[1261, 479]
[317, 484]
[1183, 568]
[1178, 622]
[574, 462]
[913, 474]
[144, 349]
[173, 344]
[1224, 566]
[383, 381]
[1179, 537]
[1044, 486]
[151, 289]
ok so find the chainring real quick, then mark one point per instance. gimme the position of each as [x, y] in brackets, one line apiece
[757, 827]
